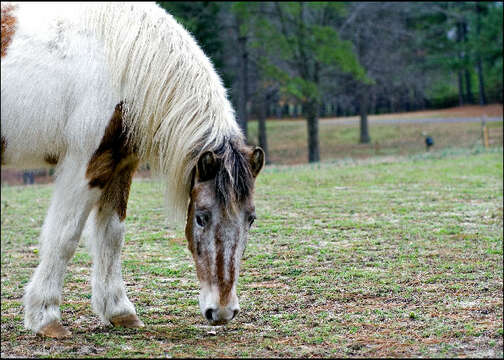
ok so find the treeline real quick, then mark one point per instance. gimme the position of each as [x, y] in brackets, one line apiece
[330, 58]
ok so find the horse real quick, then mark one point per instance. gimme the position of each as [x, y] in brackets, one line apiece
[94, 90]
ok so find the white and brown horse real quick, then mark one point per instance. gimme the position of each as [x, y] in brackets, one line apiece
[94, 89]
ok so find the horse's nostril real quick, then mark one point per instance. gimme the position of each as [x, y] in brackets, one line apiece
[209, 314]
[235, 313]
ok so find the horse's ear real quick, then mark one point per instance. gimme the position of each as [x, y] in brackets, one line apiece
[257, 161]
[207, 166]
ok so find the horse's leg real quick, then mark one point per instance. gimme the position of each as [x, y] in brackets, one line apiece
[107, 225]
[71, 203]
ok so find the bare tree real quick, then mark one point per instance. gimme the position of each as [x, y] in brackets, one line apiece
[384, 50]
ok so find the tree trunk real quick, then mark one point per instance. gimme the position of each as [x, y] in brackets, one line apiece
[469, 96]
[479, 67]
[373, 103]
[263, 141]
[363, 107]
[460, 72]
[460, 88]
[242, 105]
[313, 131]
[482, 96]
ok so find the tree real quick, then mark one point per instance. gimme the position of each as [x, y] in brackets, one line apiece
[479, 67]
[485, 42]
[460, 38]
[440, 28]
[490, 48]
[299, 44]
[266, 92]
[241, 25]
[386, 52]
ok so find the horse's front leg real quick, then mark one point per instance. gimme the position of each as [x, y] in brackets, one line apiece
[71, 203]
[109, 297]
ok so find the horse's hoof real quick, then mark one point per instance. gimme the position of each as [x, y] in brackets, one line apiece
[54, 330]
[127, 321]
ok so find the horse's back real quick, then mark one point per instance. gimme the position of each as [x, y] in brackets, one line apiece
[56, 91]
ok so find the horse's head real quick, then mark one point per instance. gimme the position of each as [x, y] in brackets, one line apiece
[221, 212]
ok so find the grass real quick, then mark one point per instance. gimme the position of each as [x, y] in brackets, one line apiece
[386, 257]
[287, 139]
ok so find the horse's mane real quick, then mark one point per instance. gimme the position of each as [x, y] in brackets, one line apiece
[176, 106]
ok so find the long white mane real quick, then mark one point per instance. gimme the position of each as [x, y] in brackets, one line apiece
[176, 104]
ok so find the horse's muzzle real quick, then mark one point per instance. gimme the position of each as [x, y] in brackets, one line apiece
[222, 315]
[213, 311]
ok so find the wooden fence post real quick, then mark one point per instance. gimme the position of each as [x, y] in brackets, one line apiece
[484, 131]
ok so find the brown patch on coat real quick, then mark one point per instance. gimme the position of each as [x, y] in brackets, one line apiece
[8, 23]
[202, 265]
[116, 193]
[219, 258]
[51, 159]
[225, 286]
[3, 147]
[112, 166]
[189, 227]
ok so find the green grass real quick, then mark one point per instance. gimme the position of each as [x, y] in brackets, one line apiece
[386, 257]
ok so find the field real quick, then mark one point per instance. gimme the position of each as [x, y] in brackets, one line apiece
[287, 138]
[393, 256]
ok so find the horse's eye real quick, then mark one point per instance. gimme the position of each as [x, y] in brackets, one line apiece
[251, 219]
[202, 219]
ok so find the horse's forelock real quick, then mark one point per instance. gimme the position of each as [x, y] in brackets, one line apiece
[234, 180]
